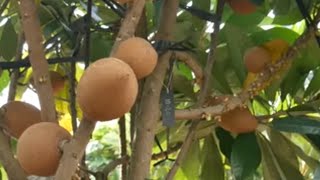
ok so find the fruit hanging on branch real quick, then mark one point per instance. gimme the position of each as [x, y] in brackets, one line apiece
[107, 89]
[256, 59]
[18, 116]
[57, 81]
[139, 54]
[244, 7]
[38, 149]
[238, 120]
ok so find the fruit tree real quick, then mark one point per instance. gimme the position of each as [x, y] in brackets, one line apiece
[159, 89]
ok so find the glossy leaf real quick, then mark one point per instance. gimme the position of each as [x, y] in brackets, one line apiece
[301, 125]
[245, 155]
[226, 142]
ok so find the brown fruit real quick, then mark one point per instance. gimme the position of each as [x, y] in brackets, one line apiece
[139, 54]
[38, 148]
[57, 81]
[238, 120]
[19, 116]
[242, 7]
[256, 59]
[107, 89]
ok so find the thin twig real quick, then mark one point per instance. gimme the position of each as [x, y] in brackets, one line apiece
[203, 93]
[74, 150]
[123, 145]
[4, 6]
[15, 73]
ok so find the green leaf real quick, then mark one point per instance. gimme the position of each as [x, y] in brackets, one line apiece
[246, 21]
[317, 173]
[183, 85]
[285, 155]
[303, 125]
[100, 46]
[4, 80]
[274, 33]
[280, 7]
[190, 165]
[212, 166]
[8, 41]
[245, 155]
[291, 16]
[226, 142]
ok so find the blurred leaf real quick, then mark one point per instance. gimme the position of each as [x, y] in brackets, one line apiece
[8, 41]
[183, 85]
[280, 7]
[212, 165]
[246, 21]
[314, 139]
[314, 85]
[303, 125]
[190, 165]
[226, 142]
[270, 164]
[274, 33]
[285, 155]
[291, 16]
[245, 155]
[66, 122]
[100, 46]
[4, 80]
[317, 174]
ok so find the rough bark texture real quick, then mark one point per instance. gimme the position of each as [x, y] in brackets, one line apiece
[123, 145]
[7, 160]
[39, 64]
[149, 115]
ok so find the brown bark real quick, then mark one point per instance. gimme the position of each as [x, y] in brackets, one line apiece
[39, 64]
[73, 151]
[10, 164]
[123, 145]
[149, 115]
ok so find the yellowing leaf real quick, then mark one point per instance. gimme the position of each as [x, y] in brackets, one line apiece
[276, 48]
[65, 122]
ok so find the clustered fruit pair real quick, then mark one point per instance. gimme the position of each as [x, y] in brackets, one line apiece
[106, 91]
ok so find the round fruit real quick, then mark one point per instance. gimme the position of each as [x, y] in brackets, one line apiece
[243, 7]
[238, 120]
[256, 58]
[107, 89]
[19, 116]
[139, 54]
[57, 81]
[38, 148]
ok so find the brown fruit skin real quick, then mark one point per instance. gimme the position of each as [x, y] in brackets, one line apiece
[238, 120]
[19, 116]
[139, 54]
[124, 1]
[107, 89]
[57, 81]
[38, 148]
[256, 58]
[243, 7]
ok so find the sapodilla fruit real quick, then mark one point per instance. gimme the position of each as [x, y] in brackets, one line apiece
[107, 89]
[242, 7]
[57, 81]
[19, 116]
[238, 120]
[256, 59]
[38, 148]
[139, 54]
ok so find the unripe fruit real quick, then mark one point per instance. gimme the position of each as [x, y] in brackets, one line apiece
[256, 59]
[19, 116]
[38, 148]
[139, 54]
[242, 7]
[107, 89]
[57, 81]
[238, 120]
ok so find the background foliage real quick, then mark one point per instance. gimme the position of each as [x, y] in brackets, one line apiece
[286, 148]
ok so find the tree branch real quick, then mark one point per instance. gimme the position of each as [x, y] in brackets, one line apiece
[10, 164]
[15, 73]
[205, 88]
[149, 115]
[4, 6]
[32, 31]
[192, 63]
[123, 145]
[73, 151]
